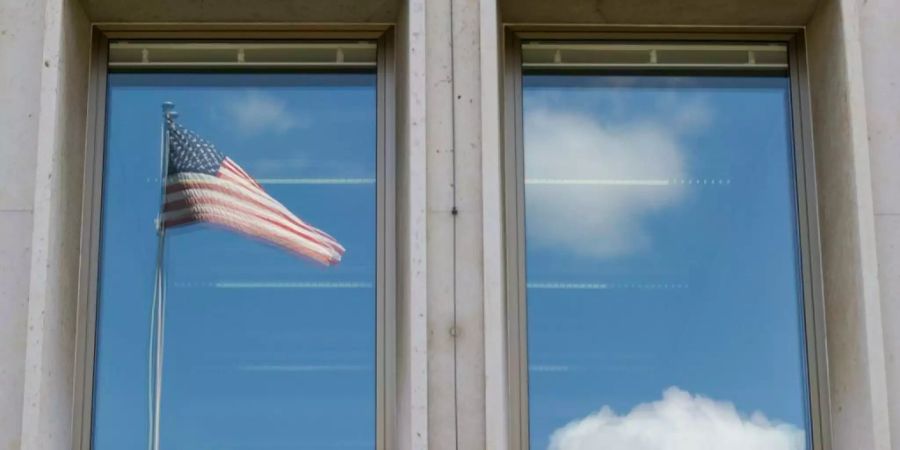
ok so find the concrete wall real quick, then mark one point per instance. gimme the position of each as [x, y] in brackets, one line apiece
[53, 284]
[880, 32]
[332, 11]
[411, 421]
[659, 12]
[858, 388]
[451, 350]
[21, 40]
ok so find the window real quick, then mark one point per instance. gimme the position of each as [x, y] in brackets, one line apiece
[661, 261]
[251, 316]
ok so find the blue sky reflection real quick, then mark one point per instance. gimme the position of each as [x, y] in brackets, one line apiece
[264, 350]
[662, 264]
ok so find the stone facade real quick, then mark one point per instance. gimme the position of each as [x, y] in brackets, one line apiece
[450, 382]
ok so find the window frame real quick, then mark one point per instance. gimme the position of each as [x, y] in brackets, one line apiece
[805, 189]
[88, 277]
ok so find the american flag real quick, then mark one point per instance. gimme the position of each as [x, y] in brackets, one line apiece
[203, 185]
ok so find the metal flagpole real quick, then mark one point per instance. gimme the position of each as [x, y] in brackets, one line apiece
[159, 292]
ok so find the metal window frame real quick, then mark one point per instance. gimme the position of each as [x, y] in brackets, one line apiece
[239, 51]
[386, 337]
[813, 319]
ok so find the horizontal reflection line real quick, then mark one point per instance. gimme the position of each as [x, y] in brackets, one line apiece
[626, 182]
[564, 181]
[598, 286]
[528, 181]
[310, 181]
[316, 180]
[281, 285]
[567, 286]
[548, 368]
[305, 368]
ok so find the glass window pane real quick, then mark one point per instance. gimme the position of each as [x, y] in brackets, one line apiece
[264, 349]
[664, 299]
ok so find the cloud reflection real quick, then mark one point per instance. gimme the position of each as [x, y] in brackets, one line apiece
[590, 184]
[679, 421]
[255, 112]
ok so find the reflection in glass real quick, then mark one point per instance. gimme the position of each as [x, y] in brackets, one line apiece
[663, 276]
[263, 350]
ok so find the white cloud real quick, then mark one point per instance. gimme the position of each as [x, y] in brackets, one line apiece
[633, 163]
[691, 115]
[679, 421]
[256, 112]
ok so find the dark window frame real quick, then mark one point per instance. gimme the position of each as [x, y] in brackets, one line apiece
[807, 204]
[385, 339]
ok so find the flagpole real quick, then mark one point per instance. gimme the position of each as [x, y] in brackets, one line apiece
[159, 292]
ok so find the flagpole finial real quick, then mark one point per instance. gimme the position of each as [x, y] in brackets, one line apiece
[168, 110]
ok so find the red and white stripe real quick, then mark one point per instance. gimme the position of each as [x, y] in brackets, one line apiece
[234, 200]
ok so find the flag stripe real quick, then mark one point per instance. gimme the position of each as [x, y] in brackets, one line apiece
[183, 182]
[262, 229]
[180, 191]
[250, 226]
[231, 174]
[233, 165]
[182, 207]
[186, 199]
